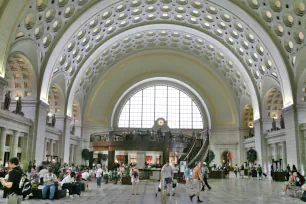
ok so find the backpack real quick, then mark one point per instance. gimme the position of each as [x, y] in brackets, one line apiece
[25, 185]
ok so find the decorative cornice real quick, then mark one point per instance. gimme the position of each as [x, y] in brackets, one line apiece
[288, 109]
[18, 119]
[53, 130]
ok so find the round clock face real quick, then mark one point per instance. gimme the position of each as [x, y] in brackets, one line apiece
[160, 122]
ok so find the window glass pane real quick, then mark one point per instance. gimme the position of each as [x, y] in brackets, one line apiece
[151, 103]
[161, 102]
[125, 115]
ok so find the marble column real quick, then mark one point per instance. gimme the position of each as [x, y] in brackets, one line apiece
[77, 153]
[72, 154]
[3, 84]
[275, 151]
[39, 134]
[14, 146]
[46, 149]
[51, 147]
[292, 138]
[66, 140]
[284, 156]
[2, 145]
[260, 143]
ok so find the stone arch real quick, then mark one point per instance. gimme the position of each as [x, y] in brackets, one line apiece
[280, 64]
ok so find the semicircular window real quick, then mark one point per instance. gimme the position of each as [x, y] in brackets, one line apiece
[160, 101]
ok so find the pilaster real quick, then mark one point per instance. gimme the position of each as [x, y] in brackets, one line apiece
[3, 84]
[2, 145]
[292, 139]
[14, 146]
[39, 135]
[259, 143]
[66, 139]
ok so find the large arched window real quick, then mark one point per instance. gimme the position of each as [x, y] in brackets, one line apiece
[160, 101]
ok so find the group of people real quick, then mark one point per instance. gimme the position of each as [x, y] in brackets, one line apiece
[293, 178]
[196, 180]
[66, 179]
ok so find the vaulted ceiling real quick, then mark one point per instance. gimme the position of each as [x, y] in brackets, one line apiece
[246, 42]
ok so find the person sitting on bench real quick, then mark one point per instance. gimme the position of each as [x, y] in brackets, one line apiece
[69, 183]
[49, 184]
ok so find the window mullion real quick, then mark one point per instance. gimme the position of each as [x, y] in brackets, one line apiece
[129, 114]
[167, 105]
[179, 110]
[141, 109]
[191, 114]
[154, 102]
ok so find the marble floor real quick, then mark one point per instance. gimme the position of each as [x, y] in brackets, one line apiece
[229, 191]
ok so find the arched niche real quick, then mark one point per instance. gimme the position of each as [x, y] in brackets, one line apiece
[273, 103]
[56, 100]
[21, 77]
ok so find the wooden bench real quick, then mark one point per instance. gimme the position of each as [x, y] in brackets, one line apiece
[295, 191]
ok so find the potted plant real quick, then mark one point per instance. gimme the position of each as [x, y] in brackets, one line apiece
[105, 178]
[114, 177]
[126, 179]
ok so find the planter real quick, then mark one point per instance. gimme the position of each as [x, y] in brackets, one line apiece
[114, 181]
[106, 181]
[126, 180]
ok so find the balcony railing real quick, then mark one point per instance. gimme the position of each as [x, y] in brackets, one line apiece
[121, 136]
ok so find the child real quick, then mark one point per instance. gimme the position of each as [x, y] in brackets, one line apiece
[174, 185]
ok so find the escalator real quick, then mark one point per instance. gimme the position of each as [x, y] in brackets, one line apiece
[195, 148]
[201, 154]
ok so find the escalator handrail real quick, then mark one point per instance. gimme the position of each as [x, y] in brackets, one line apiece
[193, 145]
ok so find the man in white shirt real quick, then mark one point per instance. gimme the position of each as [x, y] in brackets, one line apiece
[85, 176]
[168, 176]
[99, 174]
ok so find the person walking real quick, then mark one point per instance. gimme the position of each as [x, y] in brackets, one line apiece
[12, 183]
[196, 182]
[99, 174]
[259, 170]
[236, 169]
[205, 172]
[241, 171]
[168, 176]
[135, 180]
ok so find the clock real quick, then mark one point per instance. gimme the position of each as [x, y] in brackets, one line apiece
[160, 122]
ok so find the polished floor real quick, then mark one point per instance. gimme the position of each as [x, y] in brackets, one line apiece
[229, 191]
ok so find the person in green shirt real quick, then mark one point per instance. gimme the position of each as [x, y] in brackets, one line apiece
[259, 170]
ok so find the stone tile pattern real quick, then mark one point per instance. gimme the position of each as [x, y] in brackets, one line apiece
[229, 191]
